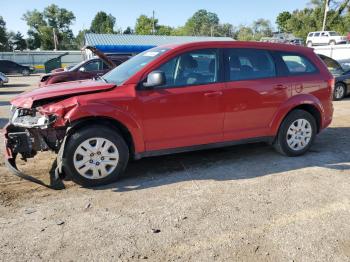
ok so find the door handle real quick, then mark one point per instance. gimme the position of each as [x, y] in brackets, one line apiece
[212, 94]
[280, 87]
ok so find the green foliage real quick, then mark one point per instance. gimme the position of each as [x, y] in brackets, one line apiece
[202, 23]
[301, 22]
[282, 20]
[16, 41]
[245, 33]
[144, 25]
[43, 24]
[164, 30]
[103, 23]
[3, 35]
[128, 31]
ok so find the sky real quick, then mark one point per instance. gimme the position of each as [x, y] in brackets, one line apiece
[173, 13]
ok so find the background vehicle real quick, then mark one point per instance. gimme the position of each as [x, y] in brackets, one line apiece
[3, 79]
[325, 38]
[87, 69]
[342, 77]
[172, 99]
[10, 67]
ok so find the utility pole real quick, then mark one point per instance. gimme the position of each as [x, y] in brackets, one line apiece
[55, 40]
[153, 27]
[326, 9]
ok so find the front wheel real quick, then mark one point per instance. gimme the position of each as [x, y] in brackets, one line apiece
[296, 134]
[95, 156]
[339, 91]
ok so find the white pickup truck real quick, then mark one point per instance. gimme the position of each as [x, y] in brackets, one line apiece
[325, 38]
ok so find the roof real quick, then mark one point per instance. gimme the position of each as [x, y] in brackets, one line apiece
[114, 43]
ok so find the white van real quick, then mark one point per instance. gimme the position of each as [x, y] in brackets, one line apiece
[325, 38]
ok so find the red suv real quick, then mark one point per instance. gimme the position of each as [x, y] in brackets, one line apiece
[172, 99]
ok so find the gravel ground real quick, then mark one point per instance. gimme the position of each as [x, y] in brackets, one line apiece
[243, 203]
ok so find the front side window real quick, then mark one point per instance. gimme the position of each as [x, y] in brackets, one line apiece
[191, 68]
[93, 66]
[298, 64]
[245, 64]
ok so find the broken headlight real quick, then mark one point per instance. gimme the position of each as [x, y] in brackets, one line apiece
[30, 118]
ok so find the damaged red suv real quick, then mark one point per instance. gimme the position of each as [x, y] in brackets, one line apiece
[172, 99]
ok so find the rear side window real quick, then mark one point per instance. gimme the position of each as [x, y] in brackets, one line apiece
[298, 64]
[311, 34]
[246, 64]
[317, 34]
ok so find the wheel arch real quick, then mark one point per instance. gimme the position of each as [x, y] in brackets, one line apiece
[107, 122]
[306, 103]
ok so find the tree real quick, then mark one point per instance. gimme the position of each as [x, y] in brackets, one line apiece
[262, 28]
[202, 23]
[16, 41]
[245, 33]
[164, 30]
[282, 20]
[145, 25]
[3, 35]
[128, 31]
[80, 38]
[103, 23]
[43, 25]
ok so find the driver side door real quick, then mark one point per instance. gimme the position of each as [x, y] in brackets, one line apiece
[188, 109]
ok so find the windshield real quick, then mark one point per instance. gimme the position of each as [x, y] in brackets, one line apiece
[333, 34]
[123, 72]
[76, 66]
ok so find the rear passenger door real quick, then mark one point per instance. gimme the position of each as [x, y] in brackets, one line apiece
[252, 94]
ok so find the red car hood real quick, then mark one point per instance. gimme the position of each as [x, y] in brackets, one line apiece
[68, 89]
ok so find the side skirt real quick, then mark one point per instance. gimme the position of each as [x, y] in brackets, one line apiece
[266, 139]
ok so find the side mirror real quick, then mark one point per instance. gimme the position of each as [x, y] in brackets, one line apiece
[155, 78]
[82, 69]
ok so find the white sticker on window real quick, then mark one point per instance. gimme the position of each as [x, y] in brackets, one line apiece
[151, 54]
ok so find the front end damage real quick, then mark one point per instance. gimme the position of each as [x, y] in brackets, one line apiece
[30, 131]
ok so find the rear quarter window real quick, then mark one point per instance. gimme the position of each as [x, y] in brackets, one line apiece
[298, 64]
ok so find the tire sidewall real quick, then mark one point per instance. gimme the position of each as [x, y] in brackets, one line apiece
[282, 135]
[82, 135]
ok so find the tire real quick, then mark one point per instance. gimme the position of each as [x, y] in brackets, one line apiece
[86, 168]
[284, 138]
[25, 72]
[309, 44]
[332, 42]
[339, 91]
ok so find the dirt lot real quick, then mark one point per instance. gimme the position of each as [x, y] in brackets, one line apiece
[239, 203]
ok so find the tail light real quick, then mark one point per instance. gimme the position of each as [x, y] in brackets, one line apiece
[331, 84]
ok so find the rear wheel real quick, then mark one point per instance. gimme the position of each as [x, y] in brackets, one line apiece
[339, 91]
[95, 156]
[309, 44]
[296, 134]
[25, 72]
[332, 42]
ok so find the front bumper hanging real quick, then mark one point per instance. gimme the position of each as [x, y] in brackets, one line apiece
[19, 141]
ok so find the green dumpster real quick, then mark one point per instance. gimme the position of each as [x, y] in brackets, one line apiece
[54, 63]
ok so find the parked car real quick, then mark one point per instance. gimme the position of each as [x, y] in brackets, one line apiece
[172, 99]
[10, 67]
[342, 77]
[87, 69]
[325, 38]
[296, 41]
[3, 79]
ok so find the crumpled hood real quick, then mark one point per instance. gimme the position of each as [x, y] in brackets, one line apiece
[61, 90]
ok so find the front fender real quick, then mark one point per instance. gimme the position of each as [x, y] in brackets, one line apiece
[289, 105]
[107, 111]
